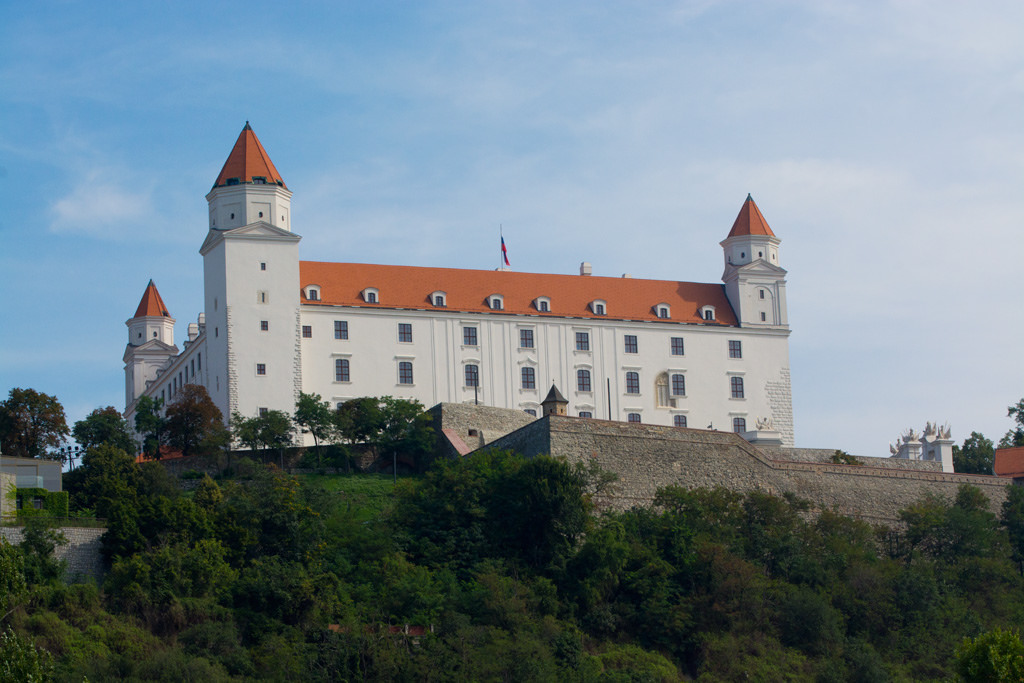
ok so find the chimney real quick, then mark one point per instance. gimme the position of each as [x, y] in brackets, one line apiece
[586, 268]
[627, 276]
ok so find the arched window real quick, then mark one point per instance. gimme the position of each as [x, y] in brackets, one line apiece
[583, 380]
[678, 385]
[341, 370]
[529, 378]
[472, 375]
[679, 420]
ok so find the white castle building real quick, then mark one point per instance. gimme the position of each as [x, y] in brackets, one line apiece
[653, 351]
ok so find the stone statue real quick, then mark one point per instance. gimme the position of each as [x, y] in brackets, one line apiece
[910, 436]
[929, 429]
[893, 449]
[945, 431]
[764, 424]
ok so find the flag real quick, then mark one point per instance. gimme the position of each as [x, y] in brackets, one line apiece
[504, 252]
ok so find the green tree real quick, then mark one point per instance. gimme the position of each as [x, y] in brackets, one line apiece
[20, 660]
[314, 415]
[975, 456]
[194, 424]
[1012, 518]
[151, 424]
[995, 657]
[32, 424]
[39, 541]
[1014, 437]
[405, 428]
[12, 578]
[104, 426]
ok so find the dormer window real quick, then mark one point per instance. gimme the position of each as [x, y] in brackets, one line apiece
[259, 180]
[371, 295]
[707, 313]
[542, 304]
[496, 302]
[663, 311]
[439, 299]
[312, 292]
[598, 306]
[232, 181]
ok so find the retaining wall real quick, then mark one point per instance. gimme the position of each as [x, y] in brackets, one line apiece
[82, 551]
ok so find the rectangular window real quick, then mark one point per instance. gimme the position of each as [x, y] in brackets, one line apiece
[264, 325]
[438, 300]
[582, 341]
[677, 346]
[763, 316]
[583, 380]
[632, 382]
[543, 306]
[261, 368]
[586, 413]
[631, 345]
[598, 309]
[472, 375]
[263, 412]
[633, 417]
[371, 297]
[193, 368]
[341, 329]
[405, 332]
[199, 358]
[469, 336]
[739, 424]
[262, 297]
[341, 370]
[263, 265]
[736, 383]
[761, 292]
[307, 331]
[529, 377]
[679, 420]
[735, 349]
[530, 411]
[678, 385]
[405, 372]
[526, 339]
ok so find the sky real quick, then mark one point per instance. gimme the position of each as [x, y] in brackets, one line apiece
[882, 141]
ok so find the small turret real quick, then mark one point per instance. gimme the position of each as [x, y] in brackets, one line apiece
[554, 403]
[754, 281]
[150, 343]
[248, 188]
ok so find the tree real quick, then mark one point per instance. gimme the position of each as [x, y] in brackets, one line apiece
[194, 424]
[1012, 519]
[151, 424]
[104, 425]
[405, 427]
[31, 423]
[994, 656]
[1014, 437]
[975, 457]
[314, 415]
[274, 428]
[20, 660]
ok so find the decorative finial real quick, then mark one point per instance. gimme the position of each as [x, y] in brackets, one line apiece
[749, 198]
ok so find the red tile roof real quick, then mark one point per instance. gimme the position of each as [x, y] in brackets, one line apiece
[750, 221]
[248, 160]
[1009, 462]
[151, 303]
[468, 290]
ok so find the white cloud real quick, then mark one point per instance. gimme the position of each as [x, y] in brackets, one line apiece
[99, 208]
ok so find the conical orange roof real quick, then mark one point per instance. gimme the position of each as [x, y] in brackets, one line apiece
[151, 304]
[750, 221]
[248, 160]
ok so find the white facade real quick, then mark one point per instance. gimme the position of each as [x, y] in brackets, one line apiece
[671, 353]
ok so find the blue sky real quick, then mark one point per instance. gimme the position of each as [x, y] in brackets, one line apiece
[882, 141]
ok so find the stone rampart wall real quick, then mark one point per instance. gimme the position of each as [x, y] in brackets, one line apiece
[824, 455]
[487, 423]
[7, 505]
[649, 457]
[82, 551]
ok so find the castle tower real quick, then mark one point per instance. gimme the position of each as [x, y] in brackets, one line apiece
[755, 283]
[251, 281]
[554, 403]
[150, 343]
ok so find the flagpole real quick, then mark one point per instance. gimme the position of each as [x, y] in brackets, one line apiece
[501, 254]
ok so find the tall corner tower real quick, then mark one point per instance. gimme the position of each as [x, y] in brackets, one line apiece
[251, 281]
[755, 282]
[150, 343]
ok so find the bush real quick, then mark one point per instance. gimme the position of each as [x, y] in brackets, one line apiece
[52, 503]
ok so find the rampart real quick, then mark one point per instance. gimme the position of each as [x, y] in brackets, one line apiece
[461, 428]
[649, 457]
[82, 551]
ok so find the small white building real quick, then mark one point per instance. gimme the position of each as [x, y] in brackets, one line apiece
[653, 351]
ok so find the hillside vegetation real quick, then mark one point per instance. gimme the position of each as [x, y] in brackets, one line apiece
[496, 567]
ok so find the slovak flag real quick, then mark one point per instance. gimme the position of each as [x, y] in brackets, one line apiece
[504, 252]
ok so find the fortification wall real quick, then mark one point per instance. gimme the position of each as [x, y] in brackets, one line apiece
[649, 457]
[486, 422]
[6, 502]
[82, 551]
[824, 455]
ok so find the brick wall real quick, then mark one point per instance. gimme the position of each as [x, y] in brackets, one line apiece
[82, 551]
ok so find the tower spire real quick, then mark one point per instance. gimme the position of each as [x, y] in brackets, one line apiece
[248, 163]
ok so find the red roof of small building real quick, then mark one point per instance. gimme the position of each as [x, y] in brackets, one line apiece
[469, 290]
[1009, 462]
[750, 221]
[248, 160]
[151, 304]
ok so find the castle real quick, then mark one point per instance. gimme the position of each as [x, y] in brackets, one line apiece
[658, 352]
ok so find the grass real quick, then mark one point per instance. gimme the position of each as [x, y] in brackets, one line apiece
[370, 494]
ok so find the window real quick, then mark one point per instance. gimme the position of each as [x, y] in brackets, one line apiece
[264, 325]
[761, 293]
[583, 380]
[679, 420]
[261, 297]
[663, 311]
[739, 424]
[371, 297]
[472, 375]
[261, 368]
[597, 307]
[193, 368]
[735, 349]
[630, 343]
[307, 332]
[526, 339]
[679, 385]
[530, 411]
[586, 413]
[633, 417]
[469, 336]
[341, 370]
[632, 382]
[199, 361]
[405, 372]
[737, 386]
[529, 378]
[314, 295]
[496, 303]
[582, 341]
[543, 306]
[707, 312]
[763, 317]
[263, 265]
[341, 329]
[263, 411]
[438, 299]
[677, 346]
[405, 332]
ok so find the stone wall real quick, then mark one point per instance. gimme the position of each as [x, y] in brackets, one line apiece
[824, 455]
[7, 504]
[486, 422]
[649, 457]
[82, 551]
